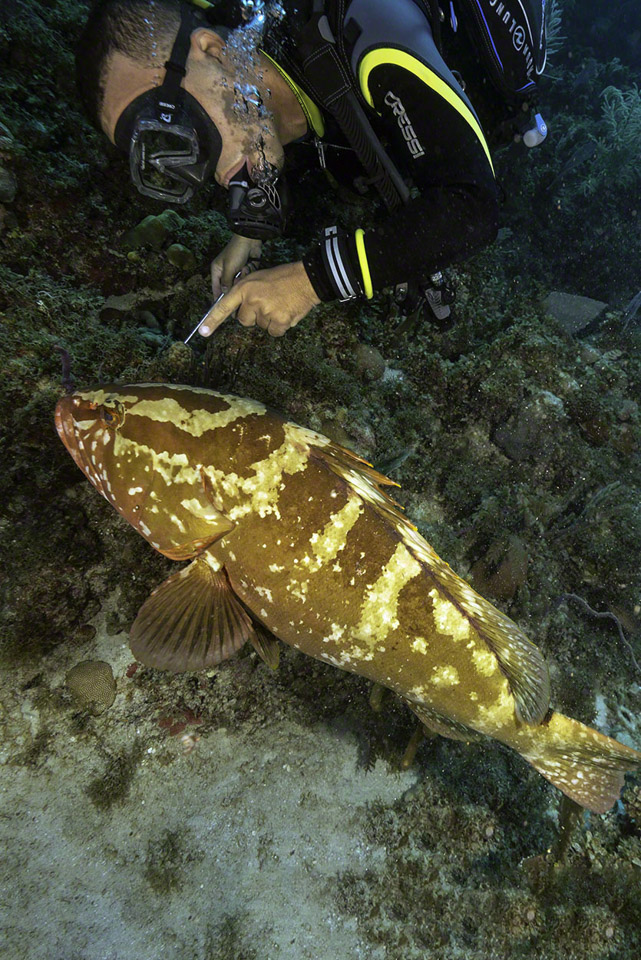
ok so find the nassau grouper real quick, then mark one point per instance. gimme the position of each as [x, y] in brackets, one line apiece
[290, 532]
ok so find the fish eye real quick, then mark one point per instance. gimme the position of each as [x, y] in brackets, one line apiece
[112, 414]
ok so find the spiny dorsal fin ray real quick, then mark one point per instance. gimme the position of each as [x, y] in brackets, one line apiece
[352, 459]
[192, 621]
[363, 478]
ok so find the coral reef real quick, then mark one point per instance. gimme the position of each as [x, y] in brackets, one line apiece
[92, 684]
[200, 805]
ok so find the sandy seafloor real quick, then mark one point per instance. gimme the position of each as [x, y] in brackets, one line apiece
[123, 838]
[262, 821]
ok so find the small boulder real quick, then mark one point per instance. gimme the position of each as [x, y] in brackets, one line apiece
[181, 257]
[529, 433]
[171, 220]
[370, 364]
[150, 232]
[136, 302]
[572, 312]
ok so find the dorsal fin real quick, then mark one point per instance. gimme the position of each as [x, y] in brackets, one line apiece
[363, 478]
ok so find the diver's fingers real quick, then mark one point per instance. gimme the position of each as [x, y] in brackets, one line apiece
[220, 311]
[216, 278]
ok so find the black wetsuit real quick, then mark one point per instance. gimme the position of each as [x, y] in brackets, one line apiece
[456, 212]
[432, 139]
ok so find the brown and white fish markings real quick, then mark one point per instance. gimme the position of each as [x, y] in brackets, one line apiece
[288, 531]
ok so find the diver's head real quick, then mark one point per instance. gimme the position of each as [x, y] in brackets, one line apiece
[159, 82]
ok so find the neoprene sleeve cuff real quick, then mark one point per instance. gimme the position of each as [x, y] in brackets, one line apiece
[331, 267]
[313, 263]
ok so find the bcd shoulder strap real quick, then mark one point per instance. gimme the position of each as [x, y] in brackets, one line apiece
[322, 67]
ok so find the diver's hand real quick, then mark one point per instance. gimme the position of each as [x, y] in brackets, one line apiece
[274, 299]
[231, 260]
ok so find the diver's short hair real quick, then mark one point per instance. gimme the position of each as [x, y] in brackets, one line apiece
[141, 29]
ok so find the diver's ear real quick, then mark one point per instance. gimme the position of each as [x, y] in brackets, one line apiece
[207, 43]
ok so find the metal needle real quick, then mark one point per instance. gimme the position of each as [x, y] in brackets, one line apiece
[219, 297]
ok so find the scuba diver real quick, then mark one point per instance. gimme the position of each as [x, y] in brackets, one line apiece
[193, 92]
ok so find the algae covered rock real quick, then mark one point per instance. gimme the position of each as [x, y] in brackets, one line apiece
[181, 257]
[370, 363]
[150, 232]
[136, 302]
[530, 432]
[170, 220]
[178, 361]
[153, 231]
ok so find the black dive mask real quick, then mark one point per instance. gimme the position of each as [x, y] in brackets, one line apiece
[172, 142]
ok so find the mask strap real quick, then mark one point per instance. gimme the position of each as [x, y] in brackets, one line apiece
[170, 89]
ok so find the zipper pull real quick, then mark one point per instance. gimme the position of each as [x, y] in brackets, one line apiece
[320, 146]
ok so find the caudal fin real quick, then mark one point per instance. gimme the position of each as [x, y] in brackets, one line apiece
[584, 764]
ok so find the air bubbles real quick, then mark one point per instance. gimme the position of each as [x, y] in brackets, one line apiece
[244, 78]
[242, 48]
[251, 9]
[150, 23]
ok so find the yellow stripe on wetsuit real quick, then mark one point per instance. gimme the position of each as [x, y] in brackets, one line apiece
[359, 237]
[377, 58]
[398, 58]
[312, 114]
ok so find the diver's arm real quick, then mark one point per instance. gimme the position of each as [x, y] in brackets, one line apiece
[456, 213]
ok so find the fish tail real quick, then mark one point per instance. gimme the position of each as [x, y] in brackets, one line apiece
[584, 764]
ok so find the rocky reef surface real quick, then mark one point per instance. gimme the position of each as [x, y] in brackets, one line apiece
[246, 814]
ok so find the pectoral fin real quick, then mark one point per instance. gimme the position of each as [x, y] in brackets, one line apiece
[192, 621]
[193, 520]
